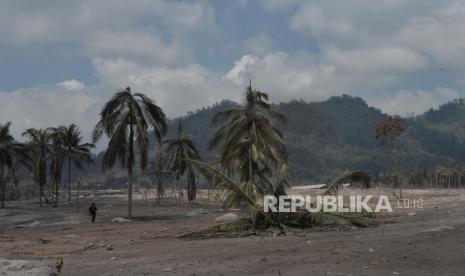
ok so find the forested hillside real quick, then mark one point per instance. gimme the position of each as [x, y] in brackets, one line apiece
[326, 138]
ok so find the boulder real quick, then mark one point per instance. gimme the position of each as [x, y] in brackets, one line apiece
[120, 220]
[25, 268]
[34, 223]
[227, 218]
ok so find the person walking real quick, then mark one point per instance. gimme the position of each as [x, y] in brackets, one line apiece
[92, 212]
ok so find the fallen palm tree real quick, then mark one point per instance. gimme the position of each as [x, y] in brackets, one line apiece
[261, 221]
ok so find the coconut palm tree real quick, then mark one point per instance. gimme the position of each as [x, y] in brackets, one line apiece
[77, 153]
[39, 143]
[261, 220]
[67, 145]
[178, 150]
[251, 143]
[12, 153]
[126, 120]
[57, 155]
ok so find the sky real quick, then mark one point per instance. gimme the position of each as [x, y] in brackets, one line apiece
[60, 61]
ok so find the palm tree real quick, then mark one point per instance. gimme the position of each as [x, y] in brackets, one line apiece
[11, 154]
[77, 153]
[251, 145]
[58, 154]
[39, 143]
[261, 220]
[180, 149]
[126, 120]
[158, 169]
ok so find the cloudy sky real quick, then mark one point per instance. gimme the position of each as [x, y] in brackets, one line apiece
[61, 60]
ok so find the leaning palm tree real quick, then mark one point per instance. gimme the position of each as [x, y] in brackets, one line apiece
[178, 150]
[39, 143]
[261, 220]
[251, 143]
[126, 120]
[77, 153]
[12, 153]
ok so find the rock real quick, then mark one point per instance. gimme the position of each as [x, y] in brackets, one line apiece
[442, 228]
[120, 220]
[167, 269]
[24, 268]
[43, 241]
[264, 259]
[227, 218]
[395, 273]
[110, 247]
[34, 223]
[197, 212]
[89, 246]
[371, 250]
[411, 214]
[309, 242]
[113, 258]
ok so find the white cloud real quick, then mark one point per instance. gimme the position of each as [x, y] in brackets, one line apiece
[281, 75]
[240, 73]
[425, 27]
[383, 60]
[177, 90]
[415, 102]
[72, 85]
[280, 4]
[141, 46]
[110, 28]
[259, 44]
[334, 72]
[49, 106]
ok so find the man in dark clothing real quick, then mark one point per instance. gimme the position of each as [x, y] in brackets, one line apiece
[92, 212]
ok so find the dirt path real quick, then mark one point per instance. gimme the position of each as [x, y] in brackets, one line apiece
[429, 242]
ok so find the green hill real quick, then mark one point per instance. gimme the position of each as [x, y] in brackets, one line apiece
[326, 138]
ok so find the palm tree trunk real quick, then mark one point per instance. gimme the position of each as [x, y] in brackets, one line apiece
[41, 193]
[57, 191]
[251, 185]
[130, 158]
[129, 195]
[69, 180]
[77, 194]
[42, 180]
[250, 164]
[160, 191]
[3, 184]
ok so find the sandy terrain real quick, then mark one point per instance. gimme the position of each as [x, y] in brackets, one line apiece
[427, 241]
